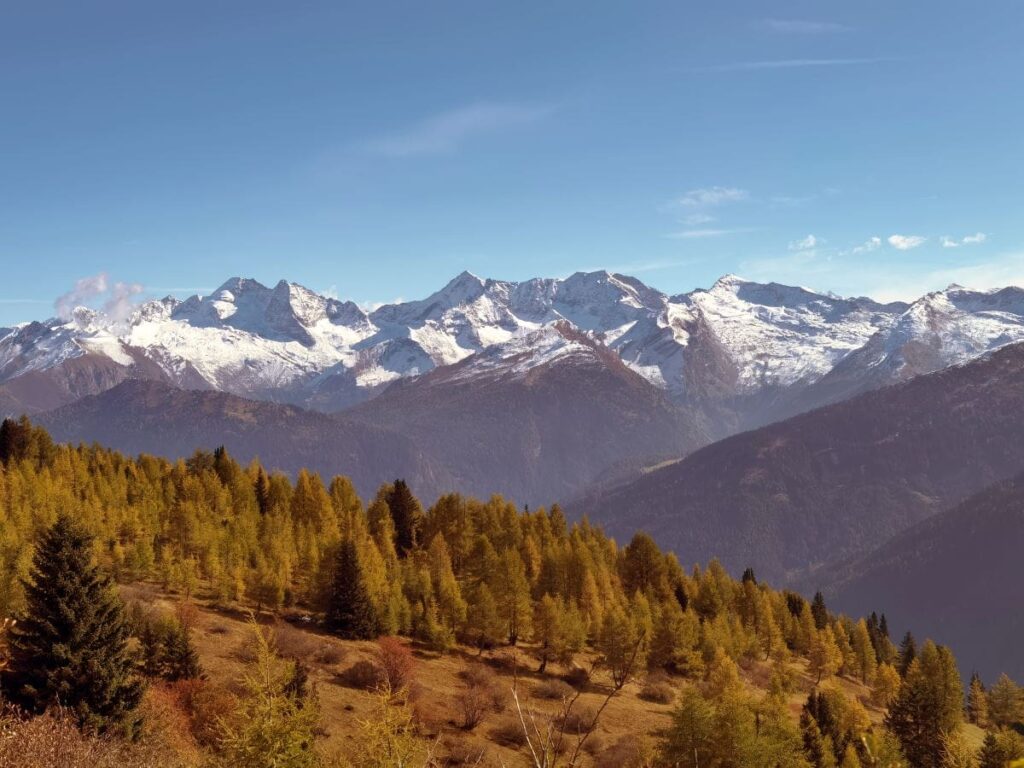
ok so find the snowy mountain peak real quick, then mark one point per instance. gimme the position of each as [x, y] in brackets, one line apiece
[729, 282]
[737, 338]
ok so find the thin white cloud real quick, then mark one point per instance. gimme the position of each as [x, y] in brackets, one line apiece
[696, 234]
[372, 306]
[804, 26]
[1000, 272]
[805, 244]
[84, 290]
[871, 244]
[118, 298]
[750, 66]
[711, 196]
[646, 266]
[696, 219]
[952, 242]
[447, 131]
[906, 242]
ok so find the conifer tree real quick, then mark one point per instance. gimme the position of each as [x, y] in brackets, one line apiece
[272, 727]
[864, 652]
[180, 661]
[1000, 749]
[350, 609]
[511, 591]
[977, 702]
[928, 705]
[850, 759]
[825, 656]
[643, 565]
[70, 645]
[406, 514]
[907, 653]
[887, 684]
[623, 645]
[484, 627]
[819, 611]
[1005, 702]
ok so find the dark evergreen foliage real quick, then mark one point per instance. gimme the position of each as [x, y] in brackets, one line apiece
[908, 652]
[70, 645]
[350, 610]
[180, 660]
[819, 611]
[406, 515]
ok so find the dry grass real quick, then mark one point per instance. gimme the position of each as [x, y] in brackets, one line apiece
[438, 700]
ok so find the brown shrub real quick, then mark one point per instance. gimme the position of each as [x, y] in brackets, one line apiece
[627, 752]
[187, 613]
[577, 721]
[429, 718]
[293, 643]
[53, 741]
[396, 662]
[595, 745]
[364, 675]
[506, 661]
[329, 654]
[508, 733]
[658, 690]
[166, 722]
[577, 677]
[206, 705]
[482, 694]
[461, 751]
[554, 689]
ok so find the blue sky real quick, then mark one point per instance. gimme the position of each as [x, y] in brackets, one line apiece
[375, 150]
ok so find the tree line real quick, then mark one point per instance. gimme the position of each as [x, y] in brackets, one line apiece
[466, 571]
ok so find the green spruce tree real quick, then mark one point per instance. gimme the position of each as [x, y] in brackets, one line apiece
[70, 644]
[350, 610]
[407, 516]
[179, 659]
[929, 704]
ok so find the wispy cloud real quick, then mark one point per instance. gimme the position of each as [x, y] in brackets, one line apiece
[750, 66]
[635, 268]
[804, 26]
[805, 244]
[118, 299]
[710, 196]
[906, 242]
[999, 272]
[975, 239]
[447, 131]
[696, 219]
[869, 245]
[372, 306]
[696, 234]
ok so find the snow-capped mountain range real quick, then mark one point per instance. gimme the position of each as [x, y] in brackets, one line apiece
[737, 341]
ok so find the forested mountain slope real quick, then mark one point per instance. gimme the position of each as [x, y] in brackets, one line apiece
[537, 431]
[538, 423]
[955, 577]
[161, 420]
[837, 481]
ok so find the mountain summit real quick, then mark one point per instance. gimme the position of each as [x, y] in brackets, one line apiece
[741, 351]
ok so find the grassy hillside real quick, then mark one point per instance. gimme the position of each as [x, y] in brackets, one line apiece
[627, 729]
